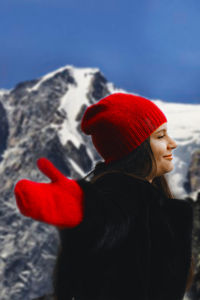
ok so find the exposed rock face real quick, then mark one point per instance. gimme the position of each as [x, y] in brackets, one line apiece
[36, 120]
[194, 292]
[42, 118]
[193, 184]
[194, 172]
[46, 297]
[3, 130]
[98, 88]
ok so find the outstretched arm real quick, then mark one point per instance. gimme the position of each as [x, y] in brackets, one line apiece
[58, 203]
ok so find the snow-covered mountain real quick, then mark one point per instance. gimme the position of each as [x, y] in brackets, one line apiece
[3, 92]
[42, 118]
[184, 127]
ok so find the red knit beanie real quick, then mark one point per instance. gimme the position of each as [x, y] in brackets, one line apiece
[119, 123]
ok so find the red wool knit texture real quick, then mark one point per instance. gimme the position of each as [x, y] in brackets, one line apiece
[119, 123]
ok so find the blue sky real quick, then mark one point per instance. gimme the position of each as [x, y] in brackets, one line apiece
[150, 47]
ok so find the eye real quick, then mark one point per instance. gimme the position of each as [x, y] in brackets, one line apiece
[160, 137]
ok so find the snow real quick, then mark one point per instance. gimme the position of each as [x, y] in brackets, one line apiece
[76, 168]
[72, 101]
[184, 127]
[183, 122]
[48, 76]
[3, 92]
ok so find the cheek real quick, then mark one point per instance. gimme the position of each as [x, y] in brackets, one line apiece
[158, 149]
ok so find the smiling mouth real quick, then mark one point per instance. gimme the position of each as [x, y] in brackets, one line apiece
[168, 157]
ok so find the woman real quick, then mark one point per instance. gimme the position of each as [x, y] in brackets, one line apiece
[133, 239]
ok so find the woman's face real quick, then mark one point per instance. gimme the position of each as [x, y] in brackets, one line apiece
[162, 144]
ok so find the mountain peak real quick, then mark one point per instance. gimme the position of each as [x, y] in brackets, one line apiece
[41, 118]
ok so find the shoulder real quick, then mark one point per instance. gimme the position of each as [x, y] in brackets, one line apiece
[125, 187]
[126, 184]
[121, 188]
[115, 182]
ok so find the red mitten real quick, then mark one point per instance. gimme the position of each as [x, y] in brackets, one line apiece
[59, 203]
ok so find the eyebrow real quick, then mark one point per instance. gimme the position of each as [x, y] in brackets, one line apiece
[161, 130]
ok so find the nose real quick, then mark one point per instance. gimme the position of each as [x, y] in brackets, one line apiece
[172, 144]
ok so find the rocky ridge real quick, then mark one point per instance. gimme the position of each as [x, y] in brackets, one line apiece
[42, 118]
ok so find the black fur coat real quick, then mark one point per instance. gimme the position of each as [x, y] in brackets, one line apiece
[133, 244]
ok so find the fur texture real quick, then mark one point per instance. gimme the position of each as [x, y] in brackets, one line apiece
[133, 243]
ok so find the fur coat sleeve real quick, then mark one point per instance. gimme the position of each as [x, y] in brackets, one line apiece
[133, 243]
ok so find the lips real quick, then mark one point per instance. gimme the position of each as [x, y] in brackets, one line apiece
[168, 157]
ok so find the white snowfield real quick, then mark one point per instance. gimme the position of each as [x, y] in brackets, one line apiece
[3, 92]
[27, 247]
[184, 128]
[183, 122]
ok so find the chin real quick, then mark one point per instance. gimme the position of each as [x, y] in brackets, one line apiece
[169, 170]
[172, 167]
[166, 170]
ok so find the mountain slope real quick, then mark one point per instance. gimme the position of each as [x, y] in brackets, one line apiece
[42, 118]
